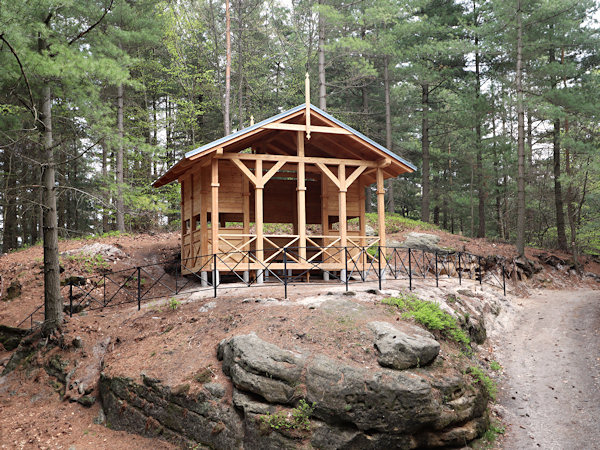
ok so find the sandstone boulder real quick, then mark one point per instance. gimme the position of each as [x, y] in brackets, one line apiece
[400, 350]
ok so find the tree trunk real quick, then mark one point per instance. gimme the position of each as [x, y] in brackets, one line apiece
[9, 233]
[425, 150]
[226, 120]
[119, 163]
[240, 67]
[52, 299]
[365, 108]
[481, 189]
[558, 196]
[322, 90]
[520, 243]
[391, 206]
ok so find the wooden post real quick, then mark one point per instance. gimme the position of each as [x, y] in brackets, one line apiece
[342, 205]
[204, 201]
[246, 204]
[258, 212]
[183, 184]
[214, 213]
[362, 220]
[324, 207]
[381, 207]
[192, 262]
[301, 199]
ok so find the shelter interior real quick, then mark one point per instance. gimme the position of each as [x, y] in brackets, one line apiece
[286, 193]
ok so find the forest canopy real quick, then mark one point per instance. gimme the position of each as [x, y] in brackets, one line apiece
[495, 102]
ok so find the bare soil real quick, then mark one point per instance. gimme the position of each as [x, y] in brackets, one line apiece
[550, 397]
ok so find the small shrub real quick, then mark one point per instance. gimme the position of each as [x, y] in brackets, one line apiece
[430, 315]
[494, 365]
[204, 375]
[173, 303]
[298, 419]
[485, 380]
[491, 434]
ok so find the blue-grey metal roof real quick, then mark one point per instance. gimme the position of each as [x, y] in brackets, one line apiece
[256, 126]
[363, 137]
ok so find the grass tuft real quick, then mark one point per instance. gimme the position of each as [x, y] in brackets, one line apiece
[430, 315]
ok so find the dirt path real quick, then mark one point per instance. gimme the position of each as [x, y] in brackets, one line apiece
[551, 388]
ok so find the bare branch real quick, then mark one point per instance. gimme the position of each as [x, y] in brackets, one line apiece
[83, 33]
[31, 107]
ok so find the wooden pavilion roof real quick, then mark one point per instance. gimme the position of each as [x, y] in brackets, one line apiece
[329, 138]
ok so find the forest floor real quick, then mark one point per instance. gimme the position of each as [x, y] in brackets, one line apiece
[164, 342]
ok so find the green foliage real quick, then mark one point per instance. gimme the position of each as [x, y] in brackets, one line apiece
[173, 303]
[89, 263]
[395, 223]
[430, 315]
[297, 419]
[480, 376]
[494, 365]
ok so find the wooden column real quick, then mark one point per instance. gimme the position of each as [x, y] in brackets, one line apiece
[324, 207]
[343, 222]
[204, 200]
[258, 212]
[301, 189]
[361, 213]
[183, 184]
[246, 204]
[214, 214]
[381, 207]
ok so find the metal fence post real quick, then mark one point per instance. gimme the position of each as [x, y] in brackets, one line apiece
[503, 281]
[409, 270]
[71, 299]
[379, 265]
[285, 273]
[459, 270]
[480, 277]
[346, 267]
[437, 281]
[139, 291]
[423, 264]
[215, 274]
[104, 289]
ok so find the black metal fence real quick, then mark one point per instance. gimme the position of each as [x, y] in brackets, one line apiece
[242, 269]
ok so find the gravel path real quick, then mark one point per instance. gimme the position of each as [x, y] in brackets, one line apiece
[551, 388]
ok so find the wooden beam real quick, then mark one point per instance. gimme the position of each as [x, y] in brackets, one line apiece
[240, 165]
[300, 127]
[355, 175]
[296, 159]
[214, 212]
[342, 206]
[272, 171]
[329, 174]
[301, 181]
[381, 207]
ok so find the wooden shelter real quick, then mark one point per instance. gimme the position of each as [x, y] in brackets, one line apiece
[301, 167]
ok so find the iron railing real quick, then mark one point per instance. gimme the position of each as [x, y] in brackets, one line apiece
[353, 264]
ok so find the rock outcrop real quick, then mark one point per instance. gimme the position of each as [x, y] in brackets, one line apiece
[350, 407]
